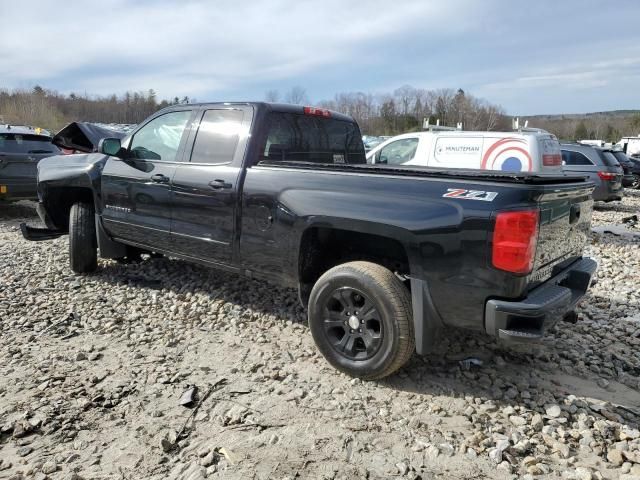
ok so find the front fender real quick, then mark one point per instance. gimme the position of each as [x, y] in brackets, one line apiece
[71, 171]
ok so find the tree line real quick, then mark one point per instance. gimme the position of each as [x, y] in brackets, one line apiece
[402, 110]
[52, 110]
[384, 114]
[406, 108]
[606, 126]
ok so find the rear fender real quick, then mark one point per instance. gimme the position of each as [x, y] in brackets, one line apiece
[426, 319]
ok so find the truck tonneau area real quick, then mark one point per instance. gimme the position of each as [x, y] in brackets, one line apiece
[417, 171]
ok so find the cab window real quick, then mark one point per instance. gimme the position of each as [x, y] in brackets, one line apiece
[160, 138]
[304, 138]
[398, 152]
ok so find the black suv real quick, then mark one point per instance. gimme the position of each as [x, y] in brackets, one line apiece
[21, 148]
[631, 167]
[599, 165]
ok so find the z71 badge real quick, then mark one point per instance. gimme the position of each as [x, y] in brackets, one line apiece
[470, 194]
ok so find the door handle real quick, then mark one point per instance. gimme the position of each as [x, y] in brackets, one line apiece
[219, 184]
[160, 178]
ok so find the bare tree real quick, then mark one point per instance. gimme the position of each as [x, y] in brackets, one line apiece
[404, 97]
[296, 95]
[272, 96]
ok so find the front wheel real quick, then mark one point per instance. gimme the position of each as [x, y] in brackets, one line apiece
[635, 183]
[83, 250]
[360, 318]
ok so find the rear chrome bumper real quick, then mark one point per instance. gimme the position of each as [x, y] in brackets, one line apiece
[526, 320]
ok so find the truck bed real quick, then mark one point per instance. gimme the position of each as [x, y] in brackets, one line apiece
[417, 171]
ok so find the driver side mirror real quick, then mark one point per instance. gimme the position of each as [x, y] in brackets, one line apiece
[110, 146]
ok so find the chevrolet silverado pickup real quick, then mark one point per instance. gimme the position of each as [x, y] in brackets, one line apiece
[384, 257]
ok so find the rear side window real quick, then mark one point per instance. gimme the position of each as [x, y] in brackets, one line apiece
[608, 159]
[308, 138]
[575, 158]
[217, 136]
[18, 143]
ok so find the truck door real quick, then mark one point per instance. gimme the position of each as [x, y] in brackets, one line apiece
[205, 188]
[136, 189]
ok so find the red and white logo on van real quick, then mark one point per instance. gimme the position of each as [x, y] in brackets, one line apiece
[509, 154]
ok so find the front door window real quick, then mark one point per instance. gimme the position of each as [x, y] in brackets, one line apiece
[160, 138]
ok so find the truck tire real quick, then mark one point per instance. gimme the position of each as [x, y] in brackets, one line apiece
[83, 246]
[361, 320]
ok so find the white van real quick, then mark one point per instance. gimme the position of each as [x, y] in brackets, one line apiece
[524, 150]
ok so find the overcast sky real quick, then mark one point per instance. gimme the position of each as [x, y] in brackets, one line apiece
[555, 56]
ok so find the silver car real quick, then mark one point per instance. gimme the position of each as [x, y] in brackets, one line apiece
[599, 164]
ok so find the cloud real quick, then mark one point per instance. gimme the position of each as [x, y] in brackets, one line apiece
[586, 74]
[199, 47]
[560, 56]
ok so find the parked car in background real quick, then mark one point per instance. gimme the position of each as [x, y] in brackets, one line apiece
[524, 150]
[370, 142]
[21, 148]
[599, 165]
[631, 169]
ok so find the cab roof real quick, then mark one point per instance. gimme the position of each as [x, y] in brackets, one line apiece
[274, 107]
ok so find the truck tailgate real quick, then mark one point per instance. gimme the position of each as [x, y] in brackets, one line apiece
[565, 218]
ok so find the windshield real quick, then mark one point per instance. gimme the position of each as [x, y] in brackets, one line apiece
[19, 143]
[310, 138]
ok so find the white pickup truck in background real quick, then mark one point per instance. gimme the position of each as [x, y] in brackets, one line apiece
[520, 151]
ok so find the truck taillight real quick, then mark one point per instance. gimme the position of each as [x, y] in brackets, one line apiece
[552, 160]
[514, 240]
[607, 176]
[320, 112]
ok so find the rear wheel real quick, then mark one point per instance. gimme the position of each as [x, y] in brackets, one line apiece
[360, 318]
[635, 183]
[83, 250]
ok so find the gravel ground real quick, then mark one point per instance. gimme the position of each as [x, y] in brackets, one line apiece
[92, 369]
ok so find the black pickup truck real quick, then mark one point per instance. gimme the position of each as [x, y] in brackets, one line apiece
[384, 258]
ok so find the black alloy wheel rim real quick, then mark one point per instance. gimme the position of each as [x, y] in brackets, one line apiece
[636, 181]
[352, 324]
